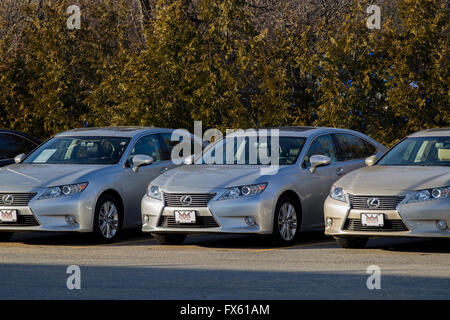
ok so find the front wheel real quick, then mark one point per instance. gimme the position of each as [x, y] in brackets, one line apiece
[351, 243]
[287, 221]
[5, 236]
[170, 239]
[108, 219]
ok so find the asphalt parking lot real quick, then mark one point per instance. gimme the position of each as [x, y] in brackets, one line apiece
[33, 266]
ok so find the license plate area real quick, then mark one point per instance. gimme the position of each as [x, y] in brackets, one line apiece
[8, 216]
[372, 219]
[185, 216]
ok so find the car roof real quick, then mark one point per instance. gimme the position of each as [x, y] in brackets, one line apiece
[22, 134]
[293, 129]
[303, 131]
[126, 132]
[435, 132]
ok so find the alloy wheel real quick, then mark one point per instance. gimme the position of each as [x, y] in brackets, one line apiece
[287, 221]
[108, 219]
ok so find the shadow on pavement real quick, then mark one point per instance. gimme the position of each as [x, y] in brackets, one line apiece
[252, 241]
[73, 239]
[423, 246]
[20, 281]
[307, 240]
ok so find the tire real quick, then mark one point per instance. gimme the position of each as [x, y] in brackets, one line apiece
[287, 221]
[5, 236]
[108, 219]
[170, 239]
[352, 243]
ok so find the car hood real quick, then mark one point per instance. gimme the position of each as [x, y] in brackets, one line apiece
[26, 176]
[191, 177]
[394, 179]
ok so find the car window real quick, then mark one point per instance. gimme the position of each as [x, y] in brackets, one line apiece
[248, 150]
[167, 139]
[420, 151]
[323, 145]
[12, 145]
[169, 144]
[149, 146]
[353, 147]
[80, 150]
[371, 149]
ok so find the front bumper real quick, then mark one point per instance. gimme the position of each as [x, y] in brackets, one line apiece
[408, 220]
[50, 215]
[224, 216]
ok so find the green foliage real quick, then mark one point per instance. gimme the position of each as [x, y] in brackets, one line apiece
[206, 61]
[386, 83]
[47, 78]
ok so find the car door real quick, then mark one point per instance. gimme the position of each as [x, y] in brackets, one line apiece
[134, 184]
[352, 150]
[316, 186]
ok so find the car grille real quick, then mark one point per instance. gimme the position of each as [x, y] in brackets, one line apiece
[389, 226]
[386, 202]
[22, 221]
[20, 199]
[198, 199]
[201, 222]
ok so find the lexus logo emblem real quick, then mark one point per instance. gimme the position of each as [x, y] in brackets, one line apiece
[373, 202]
[186, 200]
[8, 199]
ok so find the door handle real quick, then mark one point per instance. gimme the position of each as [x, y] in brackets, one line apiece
[340, 171]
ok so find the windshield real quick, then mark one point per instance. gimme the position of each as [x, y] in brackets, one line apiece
[424, 151]
[79, 150]
[253, 150]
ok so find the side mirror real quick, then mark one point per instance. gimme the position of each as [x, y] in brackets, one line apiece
[370, 161]
[188, 160]
[318, 161]
[141, 160]
[19, 158]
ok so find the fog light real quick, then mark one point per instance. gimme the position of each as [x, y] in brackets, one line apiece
[329, 222]
[146, 219]
[441, 224]
[70, 219]
[250, 221]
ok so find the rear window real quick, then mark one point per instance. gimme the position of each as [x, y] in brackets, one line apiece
[352, 147]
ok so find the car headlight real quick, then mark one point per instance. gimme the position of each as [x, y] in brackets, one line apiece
[338, 193]
[154, 192]
[427, 194]
[63, 191]
[243, 191]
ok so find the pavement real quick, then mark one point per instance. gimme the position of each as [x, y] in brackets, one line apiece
[231, 267]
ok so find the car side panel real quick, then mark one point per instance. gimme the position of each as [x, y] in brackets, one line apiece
[133, 186]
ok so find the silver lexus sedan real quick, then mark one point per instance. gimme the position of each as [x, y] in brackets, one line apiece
[84, 180]
[406, 193]
[244, 195]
